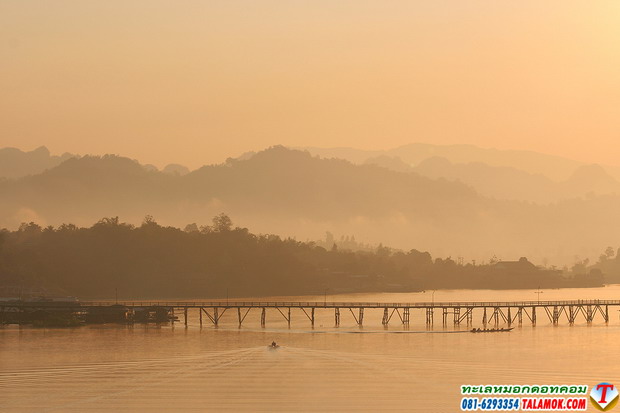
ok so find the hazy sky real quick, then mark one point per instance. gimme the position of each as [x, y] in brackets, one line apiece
[197, 81]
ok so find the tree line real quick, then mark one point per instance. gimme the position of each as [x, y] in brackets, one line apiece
[220, 259]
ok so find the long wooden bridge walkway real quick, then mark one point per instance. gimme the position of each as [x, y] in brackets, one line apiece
[508, 312]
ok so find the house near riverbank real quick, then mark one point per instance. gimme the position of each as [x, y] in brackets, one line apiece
[523, 272]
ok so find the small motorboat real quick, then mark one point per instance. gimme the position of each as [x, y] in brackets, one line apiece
[273, 346]
[491, 330]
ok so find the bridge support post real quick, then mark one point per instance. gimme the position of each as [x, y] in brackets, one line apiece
[200, 313]
[185, 313]
[262, 317]
[242, 317]
[457, 316]
[484, 317]
[386, 315]
[337, 316]
[406, 316]
[312, 320]
[533, 316]
[429, 316]
[607, 314]
[509, 318]
[361, 316]
[445, 316]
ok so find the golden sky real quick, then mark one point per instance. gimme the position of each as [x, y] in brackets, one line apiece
[194, 82]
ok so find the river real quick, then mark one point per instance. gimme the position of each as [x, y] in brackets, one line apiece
[164, 368]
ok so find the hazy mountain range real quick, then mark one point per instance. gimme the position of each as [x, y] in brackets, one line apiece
[501, 174]
[293, 193]
[553, 167]
[507, 175]
[510, 183]
[15, 163]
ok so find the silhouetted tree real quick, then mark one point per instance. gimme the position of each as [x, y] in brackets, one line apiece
[222, 223]
[191, 228]
[149, 221]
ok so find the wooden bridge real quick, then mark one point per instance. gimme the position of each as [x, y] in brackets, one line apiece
[513, 312]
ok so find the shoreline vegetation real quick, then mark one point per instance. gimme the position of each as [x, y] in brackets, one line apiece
[221, 260]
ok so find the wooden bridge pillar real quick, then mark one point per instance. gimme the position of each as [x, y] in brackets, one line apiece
[312, 320]
[360, 317]
[406, 316]
[457, 316]
[242, 317]
[509, 318]
[386, 316]
[200, 313]
[185, 313]
[484, 317]
[337, 316]
[429, 316]
[497, 311]
[533, 316]
[607, 314]
[262, 317]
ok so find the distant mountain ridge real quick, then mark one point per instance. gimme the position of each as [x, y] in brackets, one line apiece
[509, 183]
[553, 167]
[15, 163]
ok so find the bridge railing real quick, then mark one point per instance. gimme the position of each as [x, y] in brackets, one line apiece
[306, 304]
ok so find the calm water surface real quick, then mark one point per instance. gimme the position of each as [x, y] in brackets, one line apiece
[152, 368]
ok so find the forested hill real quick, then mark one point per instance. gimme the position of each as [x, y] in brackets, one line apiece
[276, 182]
[152, 261]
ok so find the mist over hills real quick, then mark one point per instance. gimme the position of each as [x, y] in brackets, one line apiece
[293, 193]
[275, 190]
